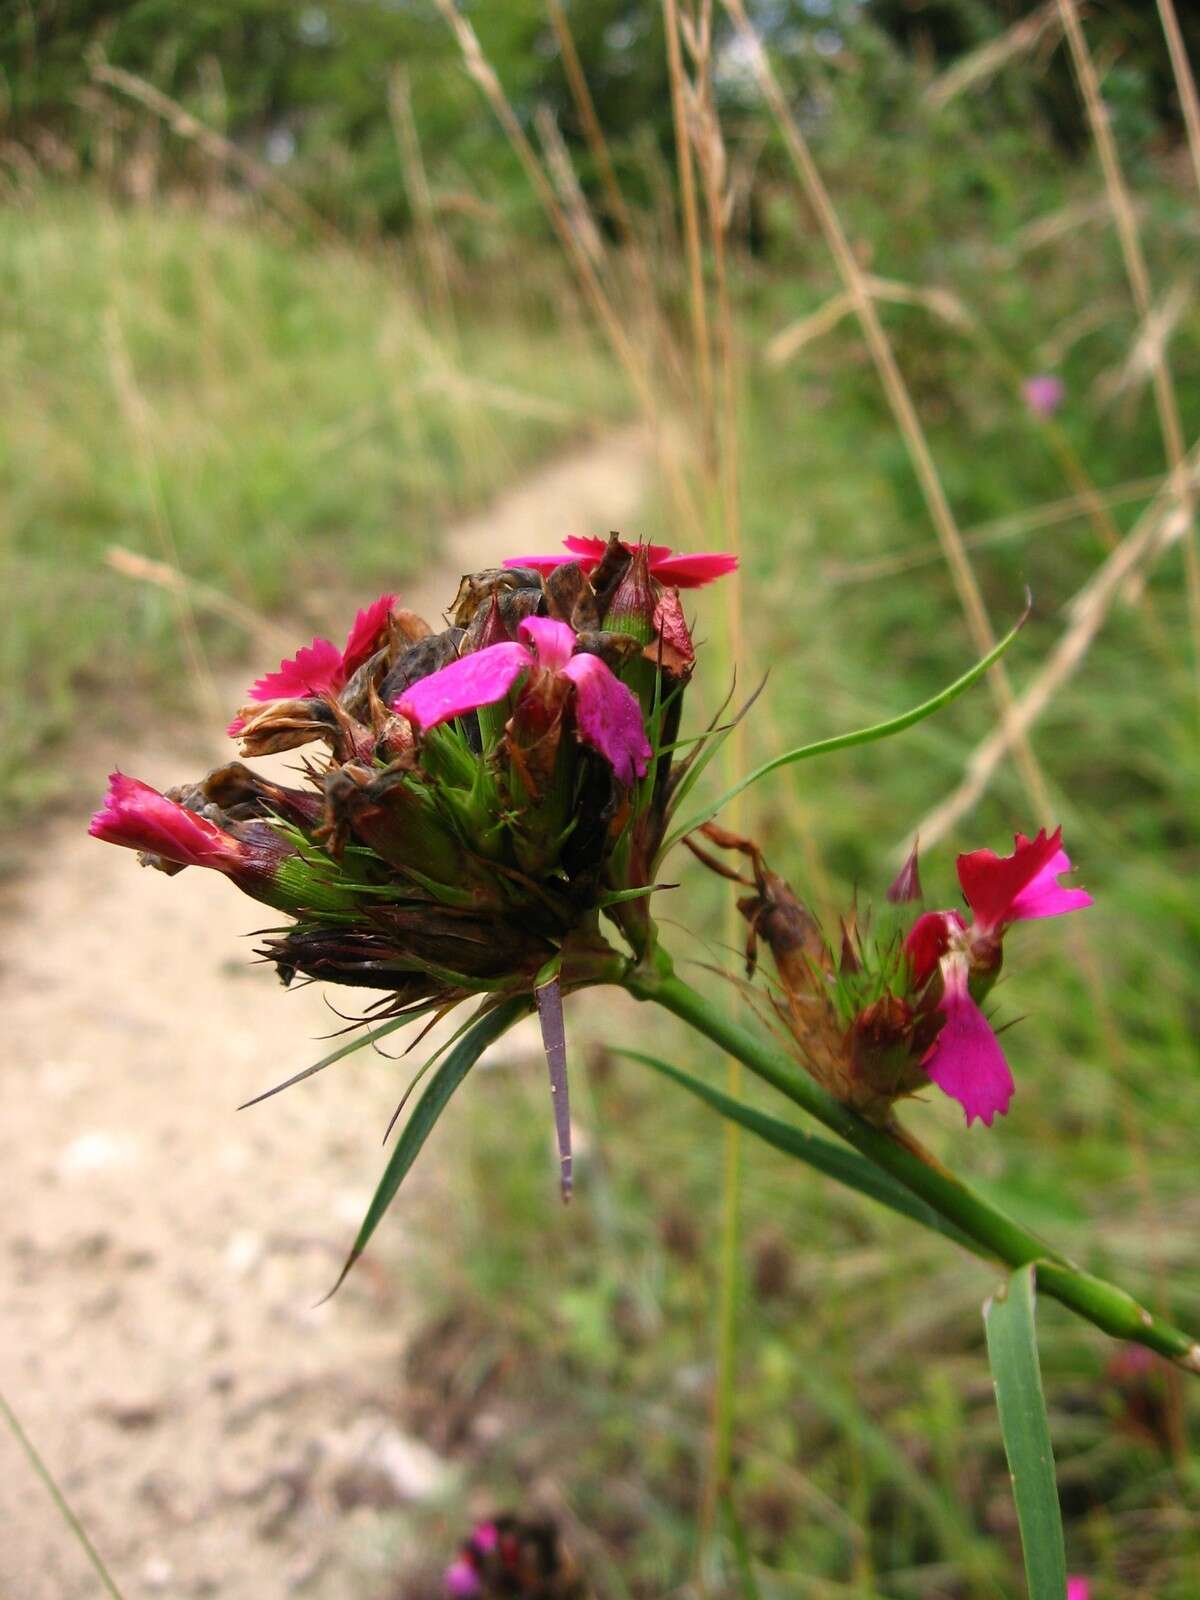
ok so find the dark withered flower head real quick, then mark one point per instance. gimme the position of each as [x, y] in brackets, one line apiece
[482, 805]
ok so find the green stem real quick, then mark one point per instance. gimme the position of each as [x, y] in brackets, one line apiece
[998, 1235]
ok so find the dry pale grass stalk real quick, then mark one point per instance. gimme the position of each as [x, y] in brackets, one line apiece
[213, 144]
[697, 301]
[1086, 615]
[855, 283]
[163, 575]
[628, 353]
[941, 303]
[435, 252]
[982, 64]
[137, 418]
[998, 531]
[1139, 283]
[558, 164]
[1185, 81]
[593, 133]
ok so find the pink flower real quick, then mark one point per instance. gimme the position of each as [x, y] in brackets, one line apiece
[676, 571]
[139, 817]
[320, 667]
[965, 1060]
[1043, 394]
[461, 1579]
[1077, 1589]
[607, 714]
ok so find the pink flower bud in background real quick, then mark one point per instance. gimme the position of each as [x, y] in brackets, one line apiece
[1044, 394]
[1077, 1589]
[461, 1579]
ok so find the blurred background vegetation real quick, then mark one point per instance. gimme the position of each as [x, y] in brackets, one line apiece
[280, 299]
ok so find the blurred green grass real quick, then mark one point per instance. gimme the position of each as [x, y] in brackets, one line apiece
[283, 421]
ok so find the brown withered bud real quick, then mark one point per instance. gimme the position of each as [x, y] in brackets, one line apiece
[614, 649]
[235, 793]
[476, 588]
[354, 956]
[570, 598]
[420, 660]
[355, 698]
[405, 628]
[285, 725]
[607, 574]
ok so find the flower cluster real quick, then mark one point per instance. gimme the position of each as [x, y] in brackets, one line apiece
[484, 792]
[877, 1019]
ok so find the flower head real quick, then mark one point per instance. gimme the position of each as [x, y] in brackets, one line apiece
[965, 1060]
[1077, 1588]
[678, 571]
[608, 717]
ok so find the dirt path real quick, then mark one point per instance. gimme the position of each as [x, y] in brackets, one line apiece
[217, 1434]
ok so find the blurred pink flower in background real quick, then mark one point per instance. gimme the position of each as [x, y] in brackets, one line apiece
[1044, 393]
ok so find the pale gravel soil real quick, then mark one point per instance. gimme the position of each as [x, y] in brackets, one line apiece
[162, 1252]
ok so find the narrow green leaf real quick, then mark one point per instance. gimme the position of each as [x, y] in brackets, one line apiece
[359, 1042]
[844, 741]
[1012, 1350]
[485, 1030]
[834, 1160]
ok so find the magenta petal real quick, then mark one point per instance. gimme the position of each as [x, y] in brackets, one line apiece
[608, 717]
[476, 680]
[587, 549]
[692, 571]
[1044, 896]
[140, 818]
[366, 633]
[1077, 1589]
[553, 641]
[316, 669]
[966, 1061]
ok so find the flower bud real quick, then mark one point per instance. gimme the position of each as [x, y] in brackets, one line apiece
[906, 885]
[634, 600]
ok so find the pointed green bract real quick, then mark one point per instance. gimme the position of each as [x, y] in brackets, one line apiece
[485, 1030]
[1012, 1351]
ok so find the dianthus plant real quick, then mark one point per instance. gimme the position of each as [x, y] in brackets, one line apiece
[484, 813]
